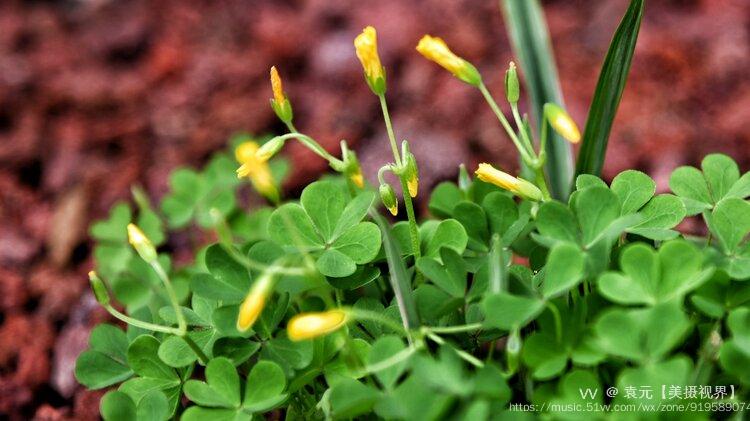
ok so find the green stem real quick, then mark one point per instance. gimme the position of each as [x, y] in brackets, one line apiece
[391, 361]
[181, 324]
[202, 357]
[504, 121]
[558, 320]
[413, 230]
[389, 128]
[521, 129]
[461, 353]
[541, 182]
[314, 146]
[138, 323]
[454, 329]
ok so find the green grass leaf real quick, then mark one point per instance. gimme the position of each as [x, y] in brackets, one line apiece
[531, 44]
[609, 88]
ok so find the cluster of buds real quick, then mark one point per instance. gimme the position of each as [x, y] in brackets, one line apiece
[256, 169]
[515, 185]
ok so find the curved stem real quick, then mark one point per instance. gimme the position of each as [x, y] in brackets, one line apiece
[454, 329]
[521, 129]
[558, 320]
[461, 353]
[181, 323]
[504, 121]
[202, 357]
[391, 361]
[314, 146]
[389, 128]
[139, 323]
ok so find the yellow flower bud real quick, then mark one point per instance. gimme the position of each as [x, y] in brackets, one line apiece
[312, 325]
[358, 179]
[561, 121]
[518, 186]
[366, 47]
[253, 305]
[269, 149]
[413, 186]
[141, 243]
[280, 104]
[435, 49]
[100, 291]
[256, 169]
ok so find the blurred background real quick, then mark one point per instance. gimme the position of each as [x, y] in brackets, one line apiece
[97, 95]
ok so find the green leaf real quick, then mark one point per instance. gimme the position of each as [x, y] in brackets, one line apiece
[565, 269]
[444, 198]
[350, 398]
[501, 212]
[289, 225]
[448, 233]
[542, 353]
[354, 212]
[238, 350]
[721, 173]
[741, 188]
[113, 229]
[556, 221]
[360, 243]
[324, 202]
[609, 88]
[384, 348]
[222, 377]
[531, 44]
[265, 385]
[229, 281]
[662, 211]
[175, 352]
[642, 334]
[730, 222]
[506, 311]
[335, 264]
[196, 413]
[449, 276]
[105, 363]
[289, 355]
[596, 208]
[144, 360]
[361, 277]
[587, 180]
[634, 189]
[653, 376]
[117, 406]
[153, 406]
[689, 184]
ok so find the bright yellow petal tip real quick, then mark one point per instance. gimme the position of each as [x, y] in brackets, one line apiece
[276, 86]
[561, 121]
[245, 152]
[358, 179]
[413, 186]
[312, 325]
[250, 310]
[393, 210]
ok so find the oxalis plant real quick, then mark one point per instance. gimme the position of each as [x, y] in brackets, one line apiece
[510, 300]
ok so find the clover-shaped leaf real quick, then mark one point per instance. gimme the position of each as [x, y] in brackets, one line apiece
[220, 395]
[153, 373]
[506, 311]
[228, 280]
[647, 384]
[734, 355]
[105, 363]
[651, 277]
[450, 276]
[328, 225]
[118, 406]
[641, 334]
[719, 179]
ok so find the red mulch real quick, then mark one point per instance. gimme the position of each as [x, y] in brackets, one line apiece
[96, 95]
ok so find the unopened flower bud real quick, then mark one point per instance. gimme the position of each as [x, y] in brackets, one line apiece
[435, 49]
[562, 123]
[388, 196]
[280, 103]
[518, 186]
[366, 47]
[312, 325]
[512, 88]
[255, 301]
[513, 350]
[269, 149]
[141, 244]
[412, 174]
[100, 290]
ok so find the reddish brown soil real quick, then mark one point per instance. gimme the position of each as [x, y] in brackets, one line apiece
[96, 95]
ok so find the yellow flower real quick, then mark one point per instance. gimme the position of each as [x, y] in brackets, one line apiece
[253, 305]
[256, 169]
[312, 325]
[435, 49]
[561, 121]
[366, 47]
[518, 186]
[141, 243]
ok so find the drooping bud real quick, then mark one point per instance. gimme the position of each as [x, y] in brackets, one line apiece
[100, 290]
[562, 123]
[269, 149]
[435, 49]
[280, 103]
[512, 87]
[312, 325]
[412, 174]
[352, 168]
[255, 301]
[388, 196]
[366, 47]
[141, 244]
[518, 186]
